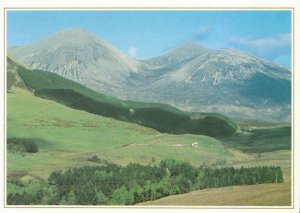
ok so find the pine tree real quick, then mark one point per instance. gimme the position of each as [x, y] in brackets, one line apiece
[102, 199]
[121, 197]
[71, 198]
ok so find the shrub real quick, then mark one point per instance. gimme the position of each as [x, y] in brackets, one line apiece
[96, 159]
[22, 145]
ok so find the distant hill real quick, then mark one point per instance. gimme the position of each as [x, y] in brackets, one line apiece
[190, 77]
[161, 117]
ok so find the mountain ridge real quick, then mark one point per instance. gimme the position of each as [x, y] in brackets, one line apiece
[191, 77]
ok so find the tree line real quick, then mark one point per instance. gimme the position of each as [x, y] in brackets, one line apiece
[112, 184]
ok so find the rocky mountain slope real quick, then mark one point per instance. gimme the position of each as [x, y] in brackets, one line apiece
[191, 77]
[80, 56]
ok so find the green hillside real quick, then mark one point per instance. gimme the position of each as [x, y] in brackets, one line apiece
[67, 137]
[161, 117]
[261, 139]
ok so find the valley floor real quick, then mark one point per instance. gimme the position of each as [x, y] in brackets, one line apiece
[253, 195]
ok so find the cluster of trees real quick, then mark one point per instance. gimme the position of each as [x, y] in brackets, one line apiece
[22, 145]
[30, 193]
[115, 185]
[213, 178]
[96, 159]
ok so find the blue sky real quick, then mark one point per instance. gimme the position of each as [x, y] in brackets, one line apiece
[145, 34]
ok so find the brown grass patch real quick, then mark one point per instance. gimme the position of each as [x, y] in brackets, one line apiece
[252, 195]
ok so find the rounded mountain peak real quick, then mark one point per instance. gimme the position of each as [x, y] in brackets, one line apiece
[191, 47]
[73, 36]
[78, 55]
[179, 54]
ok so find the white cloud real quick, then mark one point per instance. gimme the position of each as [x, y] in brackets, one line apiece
[278, 42]
[132, 51]
[276, 48]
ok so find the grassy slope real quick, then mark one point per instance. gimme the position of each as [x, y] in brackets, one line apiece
[161, 117]
[67, 137]
[255, 195]
[263, 139]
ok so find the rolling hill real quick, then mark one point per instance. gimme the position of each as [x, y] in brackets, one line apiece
[190, 77]
[264, 139]
[161, 117]
[68, 137]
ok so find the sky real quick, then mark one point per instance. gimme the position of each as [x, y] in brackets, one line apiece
[146, 34]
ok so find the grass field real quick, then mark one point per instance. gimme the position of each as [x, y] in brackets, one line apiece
[67, 137]
[254, 195]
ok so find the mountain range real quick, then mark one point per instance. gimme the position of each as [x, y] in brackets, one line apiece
[190, 77]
